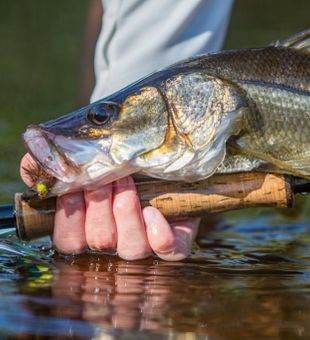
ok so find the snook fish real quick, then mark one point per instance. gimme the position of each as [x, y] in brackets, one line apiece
[239, 110]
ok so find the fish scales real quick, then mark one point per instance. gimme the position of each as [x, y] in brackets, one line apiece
[277, 80]
[271, 78]
[283, 135]
[273, 65]
[232, 111]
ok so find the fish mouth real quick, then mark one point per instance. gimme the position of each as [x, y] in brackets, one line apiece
[42, 146]
[75, 164]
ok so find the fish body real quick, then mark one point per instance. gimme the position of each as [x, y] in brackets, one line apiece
[240, 110]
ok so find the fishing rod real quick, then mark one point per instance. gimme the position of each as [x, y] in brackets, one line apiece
[33, 217]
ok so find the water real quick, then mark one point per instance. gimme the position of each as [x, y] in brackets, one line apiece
[244, 280]
[249, 276]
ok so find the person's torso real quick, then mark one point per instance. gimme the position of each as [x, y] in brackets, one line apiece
[142, 36]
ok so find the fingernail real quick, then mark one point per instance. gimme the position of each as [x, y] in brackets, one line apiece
[150, 217]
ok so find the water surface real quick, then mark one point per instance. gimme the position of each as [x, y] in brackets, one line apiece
[249, 277]
[244, 280]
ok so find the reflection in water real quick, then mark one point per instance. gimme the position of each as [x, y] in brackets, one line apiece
[250, 279]
[242, 281]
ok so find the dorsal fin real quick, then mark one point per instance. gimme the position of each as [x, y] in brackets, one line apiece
[300, 41]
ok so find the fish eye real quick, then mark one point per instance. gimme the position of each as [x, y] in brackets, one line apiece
[97, 118]
[103, 115]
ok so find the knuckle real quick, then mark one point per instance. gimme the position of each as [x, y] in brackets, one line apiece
[71, 201]
[100, 193]
[126, 205]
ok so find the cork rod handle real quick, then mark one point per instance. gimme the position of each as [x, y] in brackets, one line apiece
[218, 193]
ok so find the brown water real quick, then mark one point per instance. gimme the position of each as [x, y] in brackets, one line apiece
[248, 279]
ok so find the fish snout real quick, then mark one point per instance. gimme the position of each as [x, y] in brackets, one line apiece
[42, 148]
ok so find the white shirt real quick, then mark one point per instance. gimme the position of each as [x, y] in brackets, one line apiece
[141, 36]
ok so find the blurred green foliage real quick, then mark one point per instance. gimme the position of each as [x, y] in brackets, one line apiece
[40, 61]
[255, 23]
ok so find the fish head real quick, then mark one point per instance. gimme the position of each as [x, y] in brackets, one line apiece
[173, 125]
[100, 142]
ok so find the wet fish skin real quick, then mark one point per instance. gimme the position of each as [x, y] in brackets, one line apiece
[270, 65]
[231, 111]
[276, 129]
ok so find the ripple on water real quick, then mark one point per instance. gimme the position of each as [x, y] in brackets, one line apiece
[242, 280]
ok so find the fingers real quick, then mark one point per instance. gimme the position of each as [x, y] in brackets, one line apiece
[85, 220]
[160, 235]
[170, 242]
[69, 232]
[96, 220]
[27, 162]
[132, 240]
[100, 227]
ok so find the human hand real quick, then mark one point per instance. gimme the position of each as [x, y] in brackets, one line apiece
[110, 219]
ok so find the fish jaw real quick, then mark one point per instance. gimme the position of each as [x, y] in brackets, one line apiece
[82, 153]
[45, 152]
[75, 164]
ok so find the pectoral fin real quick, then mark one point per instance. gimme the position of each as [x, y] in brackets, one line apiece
[298, 166]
